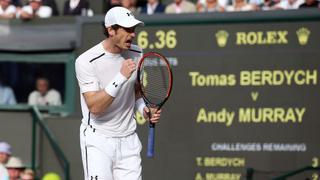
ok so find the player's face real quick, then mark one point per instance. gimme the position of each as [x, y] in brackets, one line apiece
[35, 5]
[124, 37]
[5, 3]
[152, 1]
[4, 157]
[14, 173]
[42, 86]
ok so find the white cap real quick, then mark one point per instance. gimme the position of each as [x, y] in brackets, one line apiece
[122, 17]
[15, 162]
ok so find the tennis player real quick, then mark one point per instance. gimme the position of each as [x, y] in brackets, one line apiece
[106, 75]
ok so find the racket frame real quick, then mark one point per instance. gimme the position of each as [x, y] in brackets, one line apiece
[150, 149]
[150, 104]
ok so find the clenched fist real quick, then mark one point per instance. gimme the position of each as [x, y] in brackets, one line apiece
[127, 68]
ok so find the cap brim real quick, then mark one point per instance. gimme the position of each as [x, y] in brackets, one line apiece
[132, 24]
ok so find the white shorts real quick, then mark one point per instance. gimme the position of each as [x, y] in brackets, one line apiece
[110, 158]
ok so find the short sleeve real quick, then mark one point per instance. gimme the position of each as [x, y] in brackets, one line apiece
[11, 9]
[32, 98]
[12, 99]
[27, 9]
[54, 98]
[45, 12]
[87, 79]
[282, 5]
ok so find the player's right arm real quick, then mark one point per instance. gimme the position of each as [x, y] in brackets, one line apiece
[99, 100]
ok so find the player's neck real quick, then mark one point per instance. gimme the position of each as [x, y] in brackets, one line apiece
[111, 47]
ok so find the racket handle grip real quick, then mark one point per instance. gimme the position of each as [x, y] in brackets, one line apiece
[150, 149]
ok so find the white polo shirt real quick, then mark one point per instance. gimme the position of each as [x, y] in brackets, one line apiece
[42, 12]
[3, 173]
[51, 98]
[9, 10]
[95, 69]
[285, 4]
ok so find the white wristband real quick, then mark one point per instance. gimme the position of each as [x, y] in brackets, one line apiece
[140, 105]
[115, 85]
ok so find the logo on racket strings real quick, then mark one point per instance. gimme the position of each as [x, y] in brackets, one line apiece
[144, 78]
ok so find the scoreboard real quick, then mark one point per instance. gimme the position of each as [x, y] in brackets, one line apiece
[245, 100]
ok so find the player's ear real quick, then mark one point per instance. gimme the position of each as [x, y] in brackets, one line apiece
[111, 31]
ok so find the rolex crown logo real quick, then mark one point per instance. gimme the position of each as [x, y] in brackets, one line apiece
[222, 38]
[303, 35]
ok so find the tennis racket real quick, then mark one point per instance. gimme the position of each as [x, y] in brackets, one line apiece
[155, 83]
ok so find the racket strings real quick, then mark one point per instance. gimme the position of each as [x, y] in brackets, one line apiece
[156, 82]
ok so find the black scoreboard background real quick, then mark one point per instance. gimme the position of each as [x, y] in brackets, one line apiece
[245, 97]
